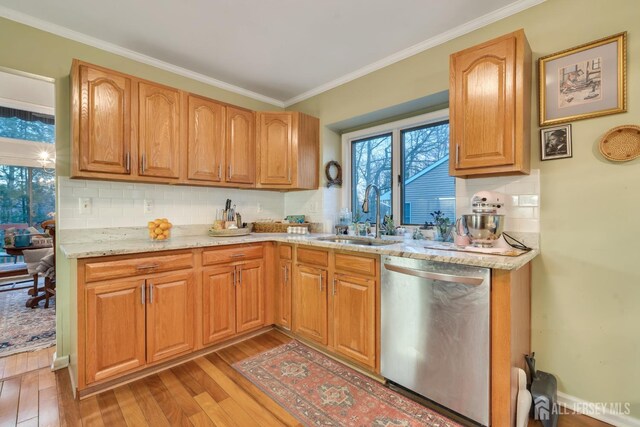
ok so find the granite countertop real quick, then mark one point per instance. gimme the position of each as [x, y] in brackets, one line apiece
[418, 249]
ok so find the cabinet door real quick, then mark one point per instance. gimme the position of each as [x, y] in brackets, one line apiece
[159, 131]
[482, 124]
[218, 303]
[310, 303]
[284, 294]
[170, 310]
[241, 146]
[276, 148]
[249, 296]
[115, 328]
[105, 122]
[205, 140]
[354, 318]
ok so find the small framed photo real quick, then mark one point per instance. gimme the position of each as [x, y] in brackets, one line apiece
[555, 143]
[584, 82]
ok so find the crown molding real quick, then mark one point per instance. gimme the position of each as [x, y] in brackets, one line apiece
[468, 27]
[442, 38]
[127, 53]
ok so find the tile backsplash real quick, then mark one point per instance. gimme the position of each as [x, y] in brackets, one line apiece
[121, 204]
[522, 208]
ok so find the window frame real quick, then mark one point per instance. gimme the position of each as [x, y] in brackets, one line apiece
[394, 128]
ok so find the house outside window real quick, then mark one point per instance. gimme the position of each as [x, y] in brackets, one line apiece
[409, 161]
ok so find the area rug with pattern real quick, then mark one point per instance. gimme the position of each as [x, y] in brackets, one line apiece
[25, 329]
[321, 392]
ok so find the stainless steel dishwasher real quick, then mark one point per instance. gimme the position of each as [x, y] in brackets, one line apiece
[435, 332]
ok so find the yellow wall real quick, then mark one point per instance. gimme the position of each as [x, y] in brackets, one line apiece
[33, 51]
[586, 283]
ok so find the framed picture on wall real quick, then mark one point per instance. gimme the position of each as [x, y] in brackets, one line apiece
[583, 82]
[555, 142]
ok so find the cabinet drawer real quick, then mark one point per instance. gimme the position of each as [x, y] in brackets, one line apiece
[313, 256]
[236, 253]
[284, 252]
[356, 264]
[96, 271]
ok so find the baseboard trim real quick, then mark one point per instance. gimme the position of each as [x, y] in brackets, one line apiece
[578, 405]
[59, 362]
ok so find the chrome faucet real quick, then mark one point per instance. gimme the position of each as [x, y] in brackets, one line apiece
[365, 206]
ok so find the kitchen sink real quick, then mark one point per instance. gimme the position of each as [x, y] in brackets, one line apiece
[361, 241]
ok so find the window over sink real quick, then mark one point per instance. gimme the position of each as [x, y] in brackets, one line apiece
[408, 160]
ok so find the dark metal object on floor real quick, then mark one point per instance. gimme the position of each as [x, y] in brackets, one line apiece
[544, 391]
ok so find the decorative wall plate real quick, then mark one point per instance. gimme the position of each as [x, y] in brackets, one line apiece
[621, 143]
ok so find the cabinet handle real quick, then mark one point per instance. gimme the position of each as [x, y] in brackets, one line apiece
[457, 154]
[237, 255]
[143, 293]
[240, 276]
[219, 171]
[229, 171]
[147, 266]
[144, 164]
[234, 276]
[150, 293]
[334, 286]
[289, 173]
[320, 281]
[127, 162]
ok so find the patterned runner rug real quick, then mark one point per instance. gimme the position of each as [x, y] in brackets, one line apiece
[321, 392]
[22, 328]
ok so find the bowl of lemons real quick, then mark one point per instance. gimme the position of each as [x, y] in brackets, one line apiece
[159, 229]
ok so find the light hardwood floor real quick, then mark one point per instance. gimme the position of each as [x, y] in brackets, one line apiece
[203, 392]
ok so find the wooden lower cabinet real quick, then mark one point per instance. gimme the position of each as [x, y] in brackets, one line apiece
[170, 311]
[232, 300]
[249, 296]
[310, 317]
[218, 303]
[115, 328]
[283, 291]
[354, 332]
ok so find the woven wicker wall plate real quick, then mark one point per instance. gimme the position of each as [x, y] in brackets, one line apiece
[621, 143]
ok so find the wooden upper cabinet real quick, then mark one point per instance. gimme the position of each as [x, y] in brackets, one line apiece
[276, 148]
[170, 321]
[205, 139]
[288, 150]
[489, 97]
[240, 149]
[115, 328]
[101, 121]
[158, 131]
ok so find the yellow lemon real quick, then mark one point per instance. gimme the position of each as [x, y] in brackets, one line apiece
[151, 224]
[160, 237]
[158, 230]
[166, 233]
[165, 226]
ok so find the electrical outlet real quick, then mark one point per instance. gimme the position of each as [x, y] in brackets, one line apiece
[148, 206]
[85, 205]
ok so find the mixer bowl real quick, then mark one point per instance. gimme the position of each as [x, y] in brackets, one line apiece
[483, 229]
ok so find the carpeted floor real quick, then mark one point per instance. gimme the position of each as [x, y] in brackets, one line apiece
[320, 391]
[22, 328]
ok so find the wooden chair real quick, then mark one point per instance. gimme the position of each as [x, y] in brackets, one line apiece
[49, 227]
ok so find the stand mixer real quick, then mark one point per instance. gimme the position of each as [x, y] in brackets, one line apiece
[484, 226]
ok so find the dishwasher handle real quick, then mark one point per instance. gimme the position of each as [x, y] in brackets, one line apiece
[465, 280]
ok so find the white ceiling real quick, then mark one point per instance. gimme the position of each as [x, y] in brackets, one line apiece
[280, 51]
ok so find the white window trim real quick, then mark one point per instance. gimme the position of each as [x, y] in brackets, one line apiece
[394, 128]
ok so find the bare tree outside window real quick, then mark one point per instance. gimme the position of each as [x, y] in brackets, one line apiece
[371, 164]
